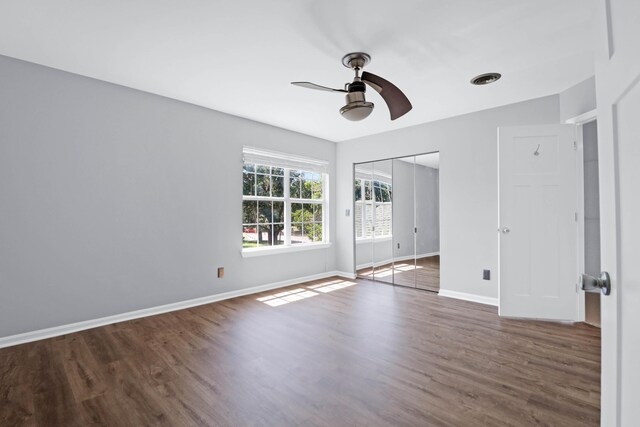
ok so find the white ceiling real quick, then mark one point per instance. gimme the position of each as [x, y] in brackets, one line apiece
[239, 56]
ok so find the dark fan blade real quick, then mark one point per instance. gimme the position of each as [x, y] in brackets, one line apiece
[397, 102]
[310, 85]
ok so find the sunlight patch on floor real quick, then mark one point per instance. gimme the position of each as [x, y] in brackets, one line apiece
[334, 287]
[285, 297]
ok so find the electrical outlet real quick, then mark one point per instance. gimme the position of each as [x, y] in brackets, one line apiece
[220, 272]
[486, 274]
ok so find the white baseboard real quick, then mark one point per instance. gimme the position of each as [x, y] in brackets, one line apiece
[469, 297]
[152, 311]
[345, 274]
[396, 259]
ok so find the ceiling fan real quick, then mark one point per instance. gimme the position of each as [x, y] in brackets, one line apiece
[357, 107]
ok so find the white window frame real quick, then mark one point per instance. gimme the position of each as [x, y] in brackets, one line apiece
[288, 163]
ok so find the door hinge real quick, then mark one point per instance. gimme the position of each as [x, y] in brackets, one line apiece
[575, 146]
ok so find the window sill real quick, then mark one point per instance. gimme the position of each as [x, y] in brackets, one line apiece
[254, 252]
[371, 240]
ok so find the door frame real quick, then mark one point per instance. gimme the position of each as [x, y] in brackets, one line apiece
[579, 121]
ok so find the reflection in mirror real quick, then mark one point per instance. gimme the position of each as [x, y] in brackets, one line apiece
[362, 216]
[381, 208]
[427, 179]
[372, 211]
[403, 222]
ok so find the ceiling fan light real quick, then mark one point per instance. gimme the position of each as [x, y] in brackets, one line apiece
[357, 107]
[356, 111]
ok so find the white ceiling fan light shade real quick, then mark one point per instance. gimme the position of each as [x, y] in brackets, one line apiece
[356, 111]
[357, 107]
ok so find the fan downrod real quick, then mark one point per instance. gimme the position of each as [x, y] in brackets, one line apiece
[356, 60]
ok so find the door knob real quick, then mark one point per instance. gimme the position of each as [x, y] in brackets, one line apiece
[505, 230]
[589, 283]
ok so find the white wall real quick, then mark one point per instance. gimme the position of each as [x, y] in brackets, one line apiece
[468, 186]
[578, 99]
[114, 200]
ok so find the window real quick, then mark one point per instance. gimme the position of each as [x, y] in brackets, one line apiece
[283, 201]
[373, 208]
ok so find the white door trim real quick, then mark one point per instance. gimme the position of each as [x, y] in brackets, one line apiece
[579, 121]
[583, 118]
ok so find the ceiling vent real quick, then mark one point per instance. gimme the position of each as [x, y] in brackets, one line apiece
[485, 79]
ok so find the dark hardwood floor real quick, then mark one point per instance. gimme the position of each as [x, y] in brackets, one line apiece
[424, 274]
[325, 353]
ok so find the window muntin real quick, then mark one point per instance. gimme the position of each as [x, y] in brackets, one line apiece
[282, 206]
[373, 208]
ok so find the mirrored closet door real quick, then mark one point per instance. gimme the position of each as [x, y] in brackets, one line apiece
[373, 206]
[427, 218]
[396, 221]
[404, 267]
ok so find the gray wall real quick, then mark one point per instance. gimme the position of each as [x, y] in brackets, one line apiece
[591, 200]
[403, 209]
[114, 200]
[468, 186]
[428, 210]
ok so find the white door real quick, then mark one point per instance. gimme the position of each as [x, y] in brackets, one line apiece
[538, 222]
[618, 98]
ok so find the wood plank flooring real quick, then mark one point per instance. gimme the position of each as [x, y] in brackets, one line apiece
[425, 274]
[324, 353]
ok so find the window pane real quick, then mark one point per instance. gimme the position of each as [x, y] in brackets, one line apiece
[264, 235]
[278, 234]
[308, 212]
[249, 212]
[295, 181]
[367, 190]
[358, 189]
[378, 193]
[296, 212]
[307, 187]
[248, 184]
[249, 236]
[386, 197]
[263, 185]
[316, 189]
[317, 232]
[264, 220]
[312, 232]
[277, 186]
[265, 213]
[278, 211]
[296, 233]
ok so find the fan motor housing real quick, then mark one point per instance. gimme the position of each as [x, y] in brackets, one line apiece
[357, 86]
